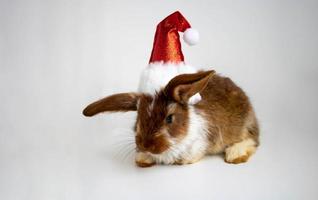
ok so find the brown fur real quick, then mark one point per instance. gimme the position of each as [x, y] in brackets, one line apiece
[224, 105]
[151, 127]
[182, 87]
[117, 102]
[228, 109]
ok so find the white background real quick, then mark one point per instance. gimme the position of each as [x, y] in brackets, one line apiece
[58, 56]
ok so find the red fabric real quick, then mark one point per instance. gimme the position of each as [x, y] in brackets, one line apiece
[167, 46]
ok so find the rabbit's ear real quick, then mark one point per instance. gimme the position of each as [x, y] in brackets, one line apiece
[184, 86]
[121, 102]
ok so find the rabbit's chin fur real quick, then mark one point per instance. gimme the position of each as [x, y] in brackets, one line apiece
[193, 146]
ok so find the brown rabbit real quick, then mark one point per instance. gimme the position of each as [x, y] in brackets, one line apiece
[171, 131]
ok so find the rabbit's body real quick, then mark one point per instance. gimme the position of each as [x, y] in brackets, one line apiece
[171, 131]
[223, 121]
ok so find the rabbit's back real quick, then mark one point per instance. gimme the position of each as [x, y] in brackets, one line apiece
[228, 111]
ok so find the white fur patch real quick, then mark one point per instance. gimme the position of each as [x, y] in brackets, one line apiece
[157, 75]
[194, 144]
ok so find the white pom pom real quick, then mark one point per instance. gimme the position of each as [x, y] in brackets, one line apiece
[191, 36]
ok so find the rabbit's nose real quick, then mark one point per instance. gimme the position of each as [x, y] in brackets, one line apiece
[143, 146]
[146, 146]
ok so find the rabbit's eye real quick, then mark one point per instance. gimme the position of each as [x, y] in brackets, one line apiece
[169, 119]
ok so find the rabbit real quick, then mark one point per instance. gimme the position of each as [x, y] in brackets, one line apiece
[169, 130]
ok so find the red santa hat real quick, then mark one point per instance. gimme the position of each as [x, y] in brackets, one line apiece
[166, 45]
[167, 60]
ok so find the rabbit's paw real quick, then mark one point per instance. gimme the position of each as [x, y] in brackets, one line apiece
[240, 152]
[144, 160]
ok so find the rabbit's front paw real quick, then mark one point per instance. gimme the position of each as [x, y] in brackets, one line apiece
[144, 160]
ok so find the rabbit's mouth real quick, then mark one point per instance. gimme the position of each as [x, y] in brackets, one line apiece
[154, 145]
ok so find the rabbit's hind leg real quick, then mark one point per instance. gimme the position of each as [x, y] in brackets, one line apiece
[241, 151]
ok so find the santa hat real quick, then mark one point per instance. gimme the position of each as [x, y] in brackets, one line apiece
[166, 45]
[167, 60]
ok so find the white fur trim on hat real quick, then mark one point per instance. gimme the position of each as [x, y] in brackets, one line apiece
[157, 75]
